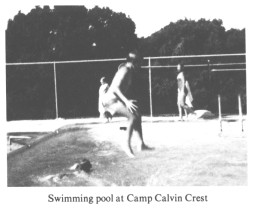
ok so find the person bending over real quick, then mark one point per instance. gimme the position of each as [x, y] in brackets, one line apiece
[118, 100]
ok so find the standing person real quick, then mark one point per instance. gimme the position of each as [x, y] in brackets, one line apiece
[102, 91]
[118, 100]
[184, 96]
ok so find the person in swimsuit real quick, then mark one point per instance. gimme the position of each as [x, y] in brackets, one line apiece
[184, 96]
[117, 100]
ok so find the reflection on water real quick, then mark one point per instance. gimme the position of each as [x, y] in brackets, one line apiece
[70, 179]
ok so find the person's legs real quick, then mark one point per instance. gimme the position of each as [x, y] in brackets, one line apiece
[180, 112]
[188, 109]
[134, 123]
[180, 103]
[185, 112]
[108, 116]
[189, 104]
[130, 127]
[184, 105]
[117, 107]
[137, 127]
[121, 110]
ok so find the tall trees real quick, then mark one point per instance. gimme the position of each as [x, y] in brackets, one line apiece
[235, 41]
[61, 34]
[189, 37]
[69, 33]
[76, 33]
[27, 36]
[112, 33]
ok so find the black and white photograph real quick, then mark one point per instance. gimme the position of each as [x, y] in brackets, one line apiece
[128, 103]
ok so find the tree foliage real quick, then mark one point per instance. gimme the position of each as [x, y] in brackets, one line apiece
[189, 37]
[76, 33]
[69, 33]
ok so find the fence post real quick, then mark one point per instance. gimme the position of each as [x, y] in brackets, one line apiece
[220, 117]
[240, 110]
[150, 88]
[55, 83]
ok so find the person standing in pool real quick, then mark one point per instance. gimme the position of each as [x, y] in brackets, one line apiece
[118, 100]
[184, 96]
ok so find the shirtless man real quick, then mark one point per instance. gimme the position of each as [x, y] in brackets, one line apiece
[117, 101]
